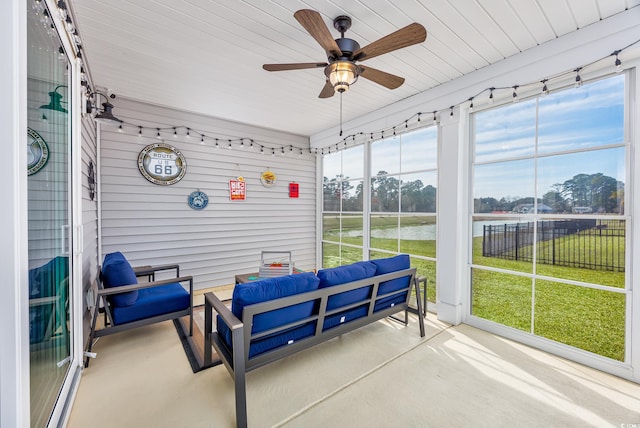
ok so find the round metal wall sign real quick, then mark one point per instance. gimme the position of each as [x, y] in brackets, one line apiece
[162, 164]
[37, 152]
[198, 200]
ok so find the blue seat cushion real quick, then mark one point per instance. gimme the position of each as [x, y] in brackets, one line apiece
[344, 317]
[152, 302]
[389, 301]
[269, 289]
[116, 271]
[342, 275]
[392, 264]
[267, 343]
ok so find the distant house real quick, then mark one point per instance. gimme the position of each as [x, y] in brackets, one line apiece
[529, 209]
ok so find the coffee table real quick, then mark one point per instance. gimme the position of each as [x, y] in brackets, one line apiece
[250, 277]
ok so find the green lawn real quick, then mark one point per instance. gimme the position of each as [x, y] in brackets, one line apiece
[589, 319]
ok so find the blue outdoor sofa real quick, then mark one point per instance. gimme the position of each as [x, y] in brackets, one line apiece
[275, 317]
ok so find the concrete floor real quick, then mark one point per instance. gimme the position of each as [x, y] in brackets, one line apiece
[381, 375]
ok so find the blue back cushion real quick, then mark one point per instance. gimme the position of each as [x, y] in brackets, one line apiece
[117, 271]
[342, 275]
[273, 288]
[392, 264]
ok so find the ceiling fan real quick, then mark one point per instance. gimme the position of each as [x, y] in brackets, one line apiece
[341, 71]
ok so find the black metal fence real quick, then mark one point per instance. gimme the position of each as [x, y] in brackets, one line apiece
[589, 243]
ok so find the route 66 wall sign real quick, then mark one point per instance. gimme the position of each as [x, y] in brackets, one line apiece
[162, 164]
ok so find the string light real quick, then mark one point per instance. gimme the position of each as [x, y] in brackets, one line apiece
[406, 122]
[201, 138]
[578, 78]
[188, 133]
[617, 63]
[229, 147]
[545, 89]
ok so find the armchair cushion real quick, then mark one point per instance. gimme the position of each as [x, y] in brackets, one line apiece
[116, 271]
[151, 302]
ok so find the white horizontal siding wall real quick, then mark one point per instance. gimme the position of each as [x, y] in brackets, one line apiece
[153, 224]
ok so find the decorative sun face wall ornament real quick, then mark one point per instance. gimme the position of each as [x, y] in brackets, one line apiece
[162, 164]
[268, 179]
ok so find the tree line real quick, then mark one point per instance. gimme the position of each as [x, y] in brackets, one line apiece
[584, 193]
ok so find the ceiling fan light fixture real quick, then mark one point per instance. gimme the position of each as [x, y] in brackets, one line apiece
[342, 74]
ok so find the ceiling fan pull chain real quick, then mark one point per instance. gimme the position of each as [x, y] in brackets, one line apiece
[341, 114]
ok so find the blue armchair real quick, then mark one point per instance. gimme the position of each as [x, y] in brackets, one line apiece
[129, 304]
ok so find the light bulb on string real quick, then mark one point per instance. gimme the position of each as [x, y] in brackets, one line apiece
[175, 132]
[188, 133]
[491, 94]
[229, 146]
[515, 93]
[545, 88]
[471, 104]
[139, 131]
[217, 145]
[617, 63]
[201, 138]
[451, 114]
[578, 78]
[158, 134]
[435, 118]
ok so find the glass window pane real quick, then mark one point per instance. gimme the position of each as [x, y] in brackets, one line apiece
[427, 269]
[332, 165]
[586, 250]
[502, 298]
[330, 255]
[331, 227]
[350, 255]
[331, 194]
[419, 150]
[385, 156]
[352, 195]
[384, 232]
[418, 192]
[505, 132]
[418, 235]
[584, 182]
[506, 243]
[503, 186]
[589, 116]
[595, 324]
[352, 229]
[353, 162]
[385, 192]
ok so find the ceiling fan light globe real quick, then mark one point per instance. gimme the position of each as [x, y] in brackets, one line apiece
[342, 74]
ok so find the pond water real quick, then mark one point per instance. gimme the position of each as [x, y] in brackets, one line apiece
[422, 232]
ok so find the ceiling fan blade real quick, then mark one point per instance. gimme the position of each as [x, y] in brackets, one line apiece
[327, 91]
[387, 80]
[407, 36]
[294, 66]
[314, 24]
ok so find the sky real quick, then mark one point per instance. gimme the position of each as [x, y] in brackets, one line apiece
[575, 131]
[579, 131]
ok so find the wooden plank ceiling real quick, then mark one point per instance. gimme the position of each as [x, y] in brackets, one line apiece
[206, 56]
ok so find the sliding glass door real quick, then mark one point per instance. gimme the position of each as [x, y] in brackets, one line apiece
[49, 215]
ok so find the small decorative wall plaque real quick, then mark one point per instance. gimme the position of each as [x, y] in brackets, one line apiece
[294, 190]
[268, 178]
[162, 164]
[37, 152]
[237, 189]
[198, 200]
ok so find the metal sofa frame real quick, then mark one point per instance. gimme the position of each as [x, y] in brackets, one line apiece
[237, 360]
[150, 272]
